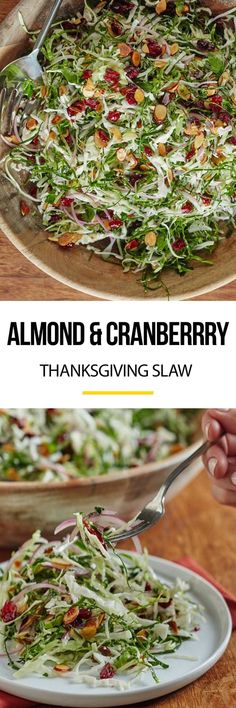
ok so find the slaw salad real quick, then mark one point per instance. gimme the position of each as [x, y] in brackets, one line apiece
[130, 146]
[80, 609]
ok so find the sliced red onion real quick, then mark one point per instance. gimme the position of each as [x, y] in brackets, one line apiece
[98, 220]
[105, 521]
[166, 99]
[65, 525]
[75, 217]
[38, 586]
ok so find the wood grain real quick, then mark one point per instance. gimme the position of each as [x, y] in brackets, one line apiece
[196, 525]
[21, 280]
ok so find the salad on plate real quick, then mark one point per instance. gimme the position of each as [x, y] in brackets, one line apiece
[80, 609]
[129, 149]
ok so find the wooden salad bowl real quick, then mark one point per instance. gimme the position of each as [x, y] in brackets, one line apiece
[75, 267]
[27, 506]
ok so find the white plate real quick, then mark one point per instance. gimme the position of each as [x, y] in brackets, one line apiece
[211, 642]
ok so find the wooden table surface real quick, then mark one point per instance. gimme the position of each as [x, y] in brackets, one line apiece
[20, 280]
[196, 525]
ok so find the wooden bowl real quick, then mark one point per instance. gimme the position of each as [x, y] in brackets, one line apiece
[75, 267]
[27, 506]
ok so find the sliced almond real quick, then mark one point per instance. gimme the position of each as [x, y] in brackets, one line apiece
[124, 49]
[170, 176]
[160, 63]
[172, 88]
[121, 155]
[142, 634]
[88, 89]
[62, 668]
[44, 91]
[199, 140]
[92, 625]
[56, 119]
[183, 92]
[150, 238]
[162, 149]
[224, 78]
[52, 135]
[66, 240]
[139, 95]
[62, 90]
[132, 160]
[145, 48]
[13, 139]
[136, 58]
[160, 113]
[31, 123]
[160, 7]
[174, 48]
[12, 474]
[115, 131]
[71, 615]
[211, 90]
[191, 129]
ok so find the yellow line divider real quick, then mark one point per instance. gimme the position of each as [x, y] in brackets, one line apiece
[118, 393]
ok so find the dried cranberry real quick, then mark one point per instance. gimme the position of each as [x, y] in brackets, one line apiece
[190, 153]
[8, 611]
[129, 93]
[206, 200]
[197, 104]
[93, 103]
[165, 604]
[187, 207]
[232, 140]
[134, 178]
[105, 651]
[155, 50]
[135, 225]
[111, 76]
[94, 532]
[122, 8]
[54, 218]
[87, 74]
[116, 28]
[32, 189]
[178, 245]
[66, 201]
[225, 117]
[35, 141]
[148, 150]
[173, 626]
[77, 107]
[115, 223]
[84, 613]
[148, 587]
[171, 8]
[216, 100]
[107, 671]
[132, 244]
[114, 116]
[205, 46]
[69, 139]
[132, 73]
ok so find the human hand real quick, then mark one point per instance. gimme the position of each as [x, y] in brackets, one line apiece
[220, 459]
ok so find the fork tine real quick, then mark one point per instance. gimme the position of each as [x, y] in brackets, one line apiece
[125, 535]
[7, 108]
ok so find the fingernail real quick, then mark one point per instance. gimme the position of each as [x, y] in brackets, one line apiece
[233, 478]
[207, 429]
[212, 465]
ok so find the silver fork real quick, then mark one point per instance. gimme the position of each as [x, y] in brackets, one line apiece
[153, 512]
[12, 76]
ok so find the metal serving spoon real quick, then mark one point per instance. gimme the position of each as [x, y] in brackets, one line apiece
[12, 76]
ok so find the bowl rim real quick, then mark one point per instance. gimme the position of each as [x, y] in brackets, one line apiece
[100, 294]
[97, 480]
